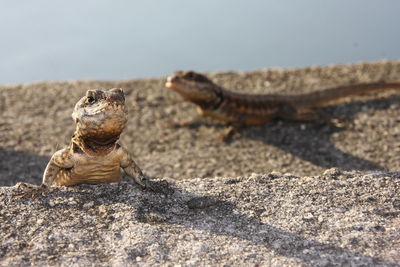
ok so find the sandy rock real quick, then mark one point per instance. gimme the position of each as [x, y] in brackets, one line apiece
[337, 218]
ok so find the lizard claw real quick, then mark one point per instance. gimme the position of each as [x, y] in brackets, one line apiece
[142, 180]
[30, 190]
[147, 183]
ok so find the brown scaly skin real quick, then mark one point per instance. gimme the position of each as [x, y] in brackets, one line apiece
[93, 156]
[240, 110]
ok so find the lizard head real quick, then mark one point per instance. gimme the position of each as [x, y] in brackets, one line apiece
[193, 86]
[101, 116]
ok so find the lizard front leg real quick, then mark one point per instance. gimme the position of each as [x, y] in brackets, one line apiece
[228, 133]
[231, 129]
[62, 159]
[132, 169]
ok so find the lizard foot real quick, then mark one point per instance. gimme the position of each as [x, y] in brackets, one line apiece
[30, 190]
[228, 134]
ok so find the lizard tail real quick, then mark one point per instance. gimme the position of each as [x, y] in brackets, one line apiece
[326, 97]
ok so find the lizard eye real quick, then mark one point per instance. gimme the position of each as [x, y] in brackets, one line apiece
[190, 75]
[91, 99]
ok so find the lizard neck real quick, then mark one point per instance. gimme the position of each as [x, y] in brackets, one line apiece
[211, 103]
[93, 146]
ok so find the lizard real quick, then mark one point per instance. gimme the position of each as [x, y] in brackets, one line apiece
[239, 110]
[93, 155]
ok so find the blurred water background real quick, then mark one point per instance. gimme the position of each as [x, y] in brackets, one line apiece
[104, 39]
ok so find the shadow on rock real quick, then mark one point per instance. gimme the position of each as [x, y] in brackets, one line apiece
[18, 166]
[312, 142]
[221, 217]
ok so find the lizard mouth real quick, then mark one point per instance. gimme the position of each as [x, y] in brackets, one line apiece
[171, 82]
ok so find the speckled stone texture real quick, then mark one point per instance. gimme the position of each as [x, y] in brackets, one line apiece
[334, 219]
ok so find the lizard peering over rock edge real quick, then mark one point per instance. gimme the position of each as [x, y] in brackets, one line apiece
[93, 155]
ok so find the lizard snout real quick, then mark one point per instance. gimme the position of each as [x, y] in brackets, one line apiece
[171, 80]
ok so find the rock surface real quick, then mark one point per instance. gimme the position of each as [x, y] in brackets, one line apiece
[225, 214]
[334, 219]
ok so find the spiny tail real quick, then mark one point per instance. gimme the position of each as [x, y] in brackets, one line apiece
[325, 97]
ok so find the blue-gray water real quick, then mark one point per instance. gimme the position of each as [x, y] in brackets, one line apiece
[99, 39]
